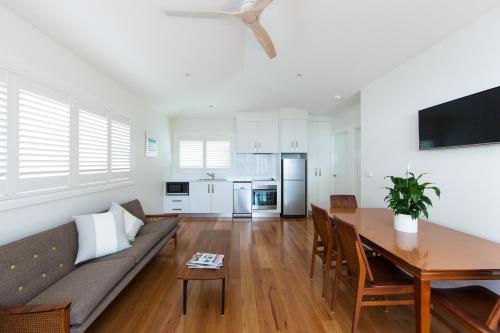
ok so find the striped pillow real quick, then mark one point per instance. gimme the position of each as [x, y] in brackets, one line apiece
[99, 235]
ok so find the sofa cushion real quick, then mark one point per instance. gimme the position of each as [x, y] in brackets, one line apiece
[30, 265]
[134, 207]
[140, 247]
[85, 287]
[163, 226]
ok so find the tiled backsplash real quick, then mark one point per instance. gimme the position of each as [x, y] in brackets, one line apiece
[257, 165]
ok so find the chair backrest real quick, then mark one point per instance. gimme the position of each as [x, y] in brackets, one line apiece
[494, 319]
[322, 223]
[351, 249]
[343, 201]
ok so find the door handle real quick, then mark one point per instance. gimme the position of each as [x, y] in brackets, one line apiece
[334, 175]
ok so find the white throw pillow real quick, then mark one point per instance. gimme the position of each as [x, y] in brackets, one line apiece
[99, 235]
[132, 225]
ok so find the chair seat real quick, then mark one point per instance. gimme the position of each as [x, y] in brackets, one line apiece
[386, 274]
[473, 304]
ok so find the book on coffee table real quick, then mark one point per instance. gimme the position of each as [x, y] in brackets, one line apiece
[206, 261]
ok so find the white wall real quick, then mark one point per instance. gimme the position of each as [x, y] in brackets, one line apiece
[346, 119]
[465, 63]
[28, 52]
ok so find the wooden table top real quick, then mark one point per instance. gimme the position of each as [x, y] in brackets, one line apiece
[433, 249]
[210, 241]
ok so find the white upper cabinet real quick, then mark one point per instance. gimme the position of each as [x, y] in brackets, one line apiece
[293, 134]
[267, 137]
[257, 133]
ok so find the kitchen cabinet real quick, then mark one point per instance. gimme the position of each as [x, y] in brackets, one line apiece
[294, 135]
[256, 137]
[211, 197]
[222, 198]
[176, 204]
[200, 197]
[319, 164]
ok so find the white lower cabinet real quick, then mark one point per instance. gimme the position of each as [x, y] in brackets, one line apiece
[177, 204]
[211, 197]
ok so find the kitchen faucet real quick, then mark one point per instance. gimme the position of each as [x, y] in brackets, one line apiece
[211, 175]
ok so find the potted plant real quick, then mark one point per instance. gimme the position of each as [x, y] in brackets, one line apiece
[408, 200]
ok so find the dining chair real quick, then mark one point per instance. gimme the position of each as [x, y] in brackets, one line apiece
[475, 308]
[343, 201]
[323, 244]
[367, 276]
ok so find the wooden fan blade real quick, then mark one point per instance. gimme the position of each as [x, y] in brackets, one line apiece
[263, 38]
[200, 14]
[259, 6]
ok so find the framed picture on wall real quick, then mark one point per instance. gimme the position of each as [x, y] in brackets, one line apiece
[151, 146]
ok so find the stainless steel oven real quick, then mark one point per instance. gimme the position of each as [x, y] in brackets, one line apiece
[264, 197]
[177, 188]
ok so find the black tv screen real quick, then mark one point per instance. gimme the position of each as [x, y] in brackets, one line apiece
[469, 120]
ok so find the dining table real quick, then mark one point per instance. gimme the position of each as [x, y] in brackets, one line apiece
[434, 253]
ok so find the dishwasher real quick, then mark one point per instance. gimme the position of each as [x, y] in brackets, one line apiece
[242, 199]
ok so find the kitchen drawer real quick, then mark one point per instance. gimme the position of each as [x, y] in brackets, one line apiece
[183, 209]
[177, 200]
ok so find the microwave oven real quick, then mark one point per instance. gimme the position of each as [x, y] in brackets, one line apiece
[177, 188]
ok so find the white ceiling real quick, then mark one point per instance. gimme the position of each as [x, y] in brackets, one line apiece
[337, 45]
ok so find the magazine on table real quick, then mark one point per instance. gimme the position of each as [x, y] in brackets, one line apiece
[206, 260]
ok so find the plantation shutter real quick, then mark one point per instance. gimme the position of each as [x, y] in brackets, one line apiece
[43, 139]
[190, 153]
[218, 154]
[4, 101]
[121, 150]
[92, 147]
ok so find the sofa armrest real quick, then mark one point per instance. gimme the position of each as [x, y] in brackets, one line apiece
[153, 217]
[35, 318]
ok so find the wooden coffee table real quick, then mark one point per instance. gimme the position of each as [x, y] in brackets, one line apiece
[210, 241]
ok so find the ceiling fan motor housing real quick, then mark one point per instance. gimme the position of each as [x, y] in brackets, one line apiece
[246, 4]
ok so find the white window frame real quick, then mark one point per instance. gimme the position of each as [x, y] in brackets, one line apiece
[204, 138]
[15, 195]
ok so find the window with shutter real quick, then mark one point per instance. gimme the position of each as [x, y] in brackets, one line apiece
[218, 154]
[92, 147]
[190, 154]
[43, 139]
[4, 100]
[121, 150]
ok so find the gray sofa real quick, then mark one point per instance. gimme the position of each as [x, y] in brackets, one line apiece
[40, 269]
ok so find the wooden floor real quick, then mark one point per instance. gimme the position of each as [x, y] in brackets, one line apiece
[269, 289]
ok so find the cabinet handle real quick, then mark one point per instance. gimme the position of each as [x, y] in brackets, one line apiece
[320, 172]
[315, 171]
[176, 208]
[176, 200]
[296, 145]
[293, 147]
[208, 186]
[213, 188]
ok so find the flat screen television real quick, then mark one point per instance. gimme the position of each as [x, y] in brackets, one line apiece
[469, 120]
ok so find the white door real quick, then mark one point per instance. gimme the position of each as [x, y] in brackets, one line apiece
[341, 164]
[322, 135]
[287, 136]
[300, 135]
[246, 137]
[267, 137]
[200, 197]
[222, 198]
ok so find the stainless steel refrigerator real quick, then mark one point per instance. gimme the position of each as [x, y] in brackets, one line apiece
[293, 191]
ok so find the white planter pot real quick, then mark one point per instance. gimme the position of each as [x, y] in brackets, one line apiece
[405, 223]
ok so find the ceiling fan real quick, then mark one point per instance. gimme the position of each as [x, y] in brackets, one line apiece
[249, 14]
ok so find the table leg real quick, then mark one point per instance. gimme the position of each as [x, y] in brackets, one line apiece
[422, 305]
[223, 296]
[184, 296]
